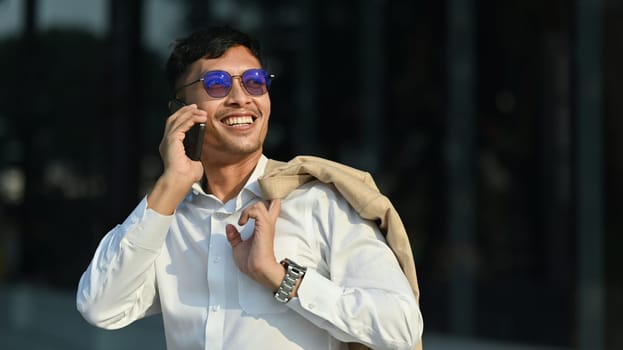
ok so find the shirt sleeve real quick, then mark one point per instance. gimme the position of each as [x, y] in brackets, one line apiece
[367, 299]
[118, 287]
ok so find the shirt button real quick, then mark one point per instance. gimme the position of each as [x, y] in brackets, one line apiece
[217, 259]
[220, 216]
[311, 306]
[215, 308]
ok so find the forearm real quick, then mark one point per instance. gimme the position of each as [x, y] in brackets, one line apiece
[118, 287]
[362, 295]
[380, 319]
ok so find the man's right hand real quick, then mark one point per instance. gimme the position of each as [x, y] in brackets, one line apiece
[180, 172]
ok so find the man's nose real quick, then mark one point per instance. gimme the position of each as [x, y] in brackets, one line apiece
[238, 94]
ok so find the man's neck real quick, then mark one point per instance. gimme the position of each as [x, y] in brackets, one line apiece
[225, 181]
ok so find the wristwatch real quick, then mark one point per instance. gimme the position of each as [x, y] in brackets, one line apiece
[294, 272]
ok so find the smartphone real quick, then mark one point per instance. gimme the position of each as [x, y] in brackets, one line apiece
[193, 141]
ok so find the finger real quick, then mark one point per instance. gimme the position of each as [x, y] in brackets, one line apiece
[175, 116]
[187, 118]
[233, 236]
[255, 211]
[244, 217]
[274, 208]
[182, 115]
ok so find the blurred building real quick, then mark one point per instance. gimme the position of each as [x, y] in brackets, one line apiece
[493, 126]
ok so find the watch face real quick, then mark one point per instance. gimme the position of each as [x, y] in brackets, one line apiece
[291, 264]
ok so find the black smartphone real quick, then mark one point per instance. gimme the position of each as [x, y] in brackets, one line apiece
[193, 141]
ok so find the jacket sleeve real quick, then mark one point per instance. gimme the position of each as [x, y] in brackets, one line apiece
[119, 285]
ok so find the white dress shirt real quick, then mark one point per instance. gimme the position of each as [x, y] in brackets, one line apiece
[182, 266]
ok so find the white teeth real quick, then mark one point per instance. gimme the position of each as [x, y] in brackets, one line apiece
[238, 120]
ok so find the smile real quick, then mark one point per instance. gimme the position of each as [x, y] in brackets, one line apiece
[238, 121]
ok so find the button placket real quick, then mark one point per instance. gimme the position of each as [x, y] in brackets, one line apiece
[216, 280]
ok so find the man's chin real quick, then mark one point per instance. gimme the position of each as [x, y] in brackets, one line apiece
[242, 150]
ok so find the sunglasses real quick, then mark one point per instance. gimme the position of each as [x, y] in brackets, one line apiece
[218, 83]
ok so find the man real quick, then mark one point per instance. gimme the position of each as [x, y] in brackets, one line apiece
[226, 268]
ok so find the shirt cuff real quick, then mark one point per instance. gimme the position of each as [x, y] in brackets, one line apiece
[318, 295]
[147, 228]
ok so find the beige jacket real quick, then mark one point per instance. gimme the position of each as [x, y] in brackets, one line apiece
[359, 189]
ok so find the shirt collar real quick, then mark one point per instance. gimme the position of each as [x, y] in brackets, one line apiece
[252, 184]
[252, 187]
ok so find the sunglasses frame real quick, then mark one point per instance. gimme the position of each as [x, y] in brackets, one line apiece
[269, 78]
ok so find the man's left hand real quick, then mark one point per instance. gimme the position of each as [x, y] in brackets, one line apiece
[255, 256]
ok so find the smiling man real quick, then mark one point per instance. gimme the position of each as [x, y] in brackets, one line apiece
[226, 267]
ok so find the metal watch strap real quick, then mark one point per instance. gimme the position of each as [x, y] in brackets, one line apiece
[294, 272]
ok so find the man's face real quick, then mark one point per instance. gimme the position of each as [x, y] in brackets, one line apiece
[237, 123]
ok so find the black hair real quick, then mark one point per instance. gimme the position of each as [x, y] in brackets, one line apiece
[211, 42]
